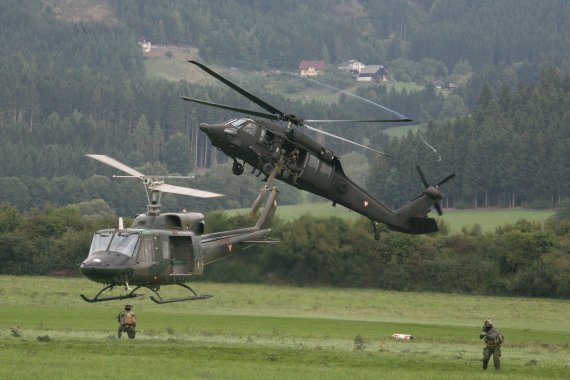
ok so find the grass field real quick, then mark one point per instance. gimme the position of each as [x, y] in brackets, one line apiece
[488, 219]
[272, 332]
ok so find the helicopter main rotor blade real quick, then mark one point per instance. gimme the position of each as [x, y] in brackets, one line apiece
[345, 140]
[361, 121]
[250, 96]
[116, 164]
[445, 180]
[230, 108]
[165, 188]
[422, 176]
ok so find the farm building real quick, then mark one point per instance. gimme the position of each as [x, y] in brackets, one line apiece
[311, 68]
[373, 73]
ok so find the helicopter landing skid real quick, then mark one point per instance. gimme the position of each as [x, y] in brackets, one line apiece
[132, 294]
[194, 297]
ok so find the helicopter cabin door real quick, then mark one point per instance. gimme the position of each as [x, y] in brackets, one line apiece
[182, 255]
[145, 253]
[317, 171]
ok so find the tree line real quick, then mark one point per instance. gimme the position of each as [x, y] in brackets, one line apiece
[511, 151]
[523, 259]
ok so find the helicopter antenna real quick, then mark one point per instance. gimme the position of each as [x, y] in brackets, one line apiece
[154, 185]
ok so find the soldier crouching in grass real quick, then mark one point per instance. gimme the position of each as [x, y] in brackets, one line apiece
[127, 322]
[493, 340]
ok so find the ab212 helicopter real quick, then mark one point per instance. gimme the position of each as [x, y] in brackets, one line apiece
[164, 248]
[280, 149]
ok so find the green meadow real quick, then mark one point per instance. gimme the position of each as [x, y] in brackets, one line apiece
[274, 332]
[456, 219]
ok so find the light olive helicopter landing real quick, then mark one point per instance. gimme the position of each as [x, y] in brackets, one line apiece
[281, 149]
[165, 248]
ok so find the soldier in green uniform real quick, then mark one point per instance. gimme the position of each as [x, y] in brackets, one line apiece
[127, 322]
[493, 340]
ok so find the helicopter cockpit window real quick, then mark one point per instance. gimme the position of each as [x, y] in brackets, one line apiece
[124, 243]
[249, 128]
[237, 122]
[100, 242]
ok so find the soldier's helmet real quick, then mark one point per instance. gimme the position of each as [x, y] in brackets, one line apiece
[128, 306]
[488, 323]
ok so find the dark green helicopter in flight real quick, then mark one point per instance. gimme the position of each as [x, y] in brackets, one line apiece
[164, 248]
[279, 148]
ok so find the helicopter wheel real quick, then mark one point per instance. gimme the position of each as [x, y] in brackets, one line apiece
[267, 168]
[237, 168]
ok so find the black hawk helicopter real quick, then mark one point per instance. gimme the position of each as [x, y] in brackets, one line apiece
[283, 151]
[164, 248]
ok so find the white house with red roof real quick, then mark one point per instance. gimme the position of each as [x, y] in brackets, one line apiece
[309, 68]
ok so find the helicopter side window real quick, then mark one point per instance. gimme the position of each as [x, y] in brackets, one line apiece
[262, 134]
[165, 249]
[325, 169]
[313, 162]
[124, 243]
[145, 250]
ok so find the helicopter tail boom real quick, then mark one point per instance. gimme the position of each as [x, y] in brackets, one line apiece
[218, 245]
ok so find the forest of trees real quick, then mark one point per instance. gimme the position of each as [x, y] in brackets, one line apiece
[73, 88]
[522, 259]
[512, 150]
[274, 33]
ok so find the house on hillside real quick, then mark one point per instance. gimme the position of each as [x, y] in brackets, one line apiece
[353, 66]
[376, 73]
[441, 85]
[311, 68]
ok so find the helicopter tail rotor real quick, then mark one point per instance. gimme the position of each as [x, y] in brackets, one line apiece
[433, 191]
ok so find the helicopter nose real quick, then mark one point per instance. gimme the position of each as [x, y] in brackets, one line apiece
[105, 266]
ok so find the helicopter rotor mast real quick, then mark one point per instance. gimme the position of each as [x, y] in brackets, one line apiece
[154, 185]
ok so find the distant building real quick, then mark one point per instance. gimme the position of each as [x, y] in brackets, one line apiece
[440, 85]
[353, 66]
[311, 68]
[376, 73]
[145, 45]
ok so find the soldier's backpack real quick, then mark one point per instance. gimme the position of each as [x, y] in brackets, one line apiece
[127, 318]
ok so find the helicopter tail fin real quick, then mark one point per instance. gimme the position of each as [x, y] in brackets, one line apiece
[268, 212]
[413, 216]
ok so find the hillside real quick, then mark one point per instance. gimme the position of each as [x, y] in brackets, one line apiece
[74, 84]
[81, 10]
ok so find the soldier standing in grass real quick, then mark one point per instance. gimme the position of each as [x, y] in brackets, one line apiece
[493, 340]
[127, 322]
